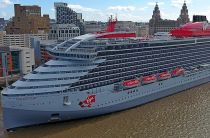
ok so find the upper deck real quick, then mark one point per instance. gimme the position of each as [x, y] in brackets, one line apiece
[87, 46]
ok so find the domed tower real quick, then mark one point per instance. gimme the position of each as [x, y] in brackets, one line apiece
[155, 19]
[156, 13]
[184, 17]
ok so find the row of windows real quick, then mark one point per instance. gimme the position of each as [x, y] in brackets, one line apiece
[66, 31]
[107, 82]
[60, 72]
[136, 68]
[161, 43]
[67, 35]
[158, 52]
[185, 62]
[86, 56]
[203, 40]
[148, 51]
[138, 62]
[39, 87]
[72, 65]
[156, 57]
[110, 81]
[49, 79]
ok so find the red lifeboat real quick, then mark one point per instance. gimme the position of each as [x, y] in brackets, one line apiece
[196, 29]
[131, 83]
[178, 71]
[164, 75]
[149, 79]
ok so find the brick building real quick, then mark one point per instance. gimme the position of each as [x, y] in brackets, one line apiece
[28, 20]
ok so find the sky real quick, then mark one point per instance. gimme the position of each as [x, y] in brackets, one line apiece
[126, 10]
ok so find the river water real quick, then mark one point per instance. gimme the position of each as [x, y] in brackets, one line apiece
[184, 115]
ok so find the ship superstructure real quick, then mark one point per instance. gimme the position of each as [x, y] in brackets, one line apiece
[101, 73]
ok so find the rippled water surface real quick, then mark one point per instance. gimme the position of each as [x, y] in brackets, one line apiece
[183, 115]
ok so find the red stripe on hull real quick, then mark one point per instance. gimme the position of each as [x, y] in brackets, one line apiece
[118, 35]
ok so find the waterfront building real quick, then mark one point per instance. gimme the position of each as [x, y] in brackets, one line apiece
[65, 15]
[142, 29]
[40, 50]
[2, 24]
[125, 26]
[2, 34]
[52, 21]
[20, 60]
[62, 32]
[93, 26]
[184, 16]
[11, 62]
[28, 20]
[44, 45]
[26, 59]
[22, 43]
[199, 18]
[19, 40]
[157, 24]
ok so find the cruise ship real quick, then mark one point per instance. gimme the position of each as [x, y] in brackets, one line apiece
[100, 73]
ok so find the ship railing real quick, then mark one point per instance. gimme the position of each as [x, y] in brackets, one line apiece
[197, 69]
[90, 37]
[82, 50]
[75, 55]
[59, 45]
[204, 66]
[183, 51]
[94, 43]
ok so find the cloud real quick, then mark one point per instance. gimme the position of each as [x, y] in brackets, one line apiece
[142, 9]
[179, 3]
[3, 14]
[80, 8]
[129, 17]
[124, 16]
[5, 3]
[169, 16]
[96, 16]
[205, 12]
[154, 3]
[122, 8]
[52, 9]
[123, 12]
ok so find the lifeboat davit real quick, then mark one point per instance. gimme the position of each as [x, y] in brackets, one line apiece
[178, 71]
[164, 75]
[196, 29]
[149, 79]
[131, 83]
